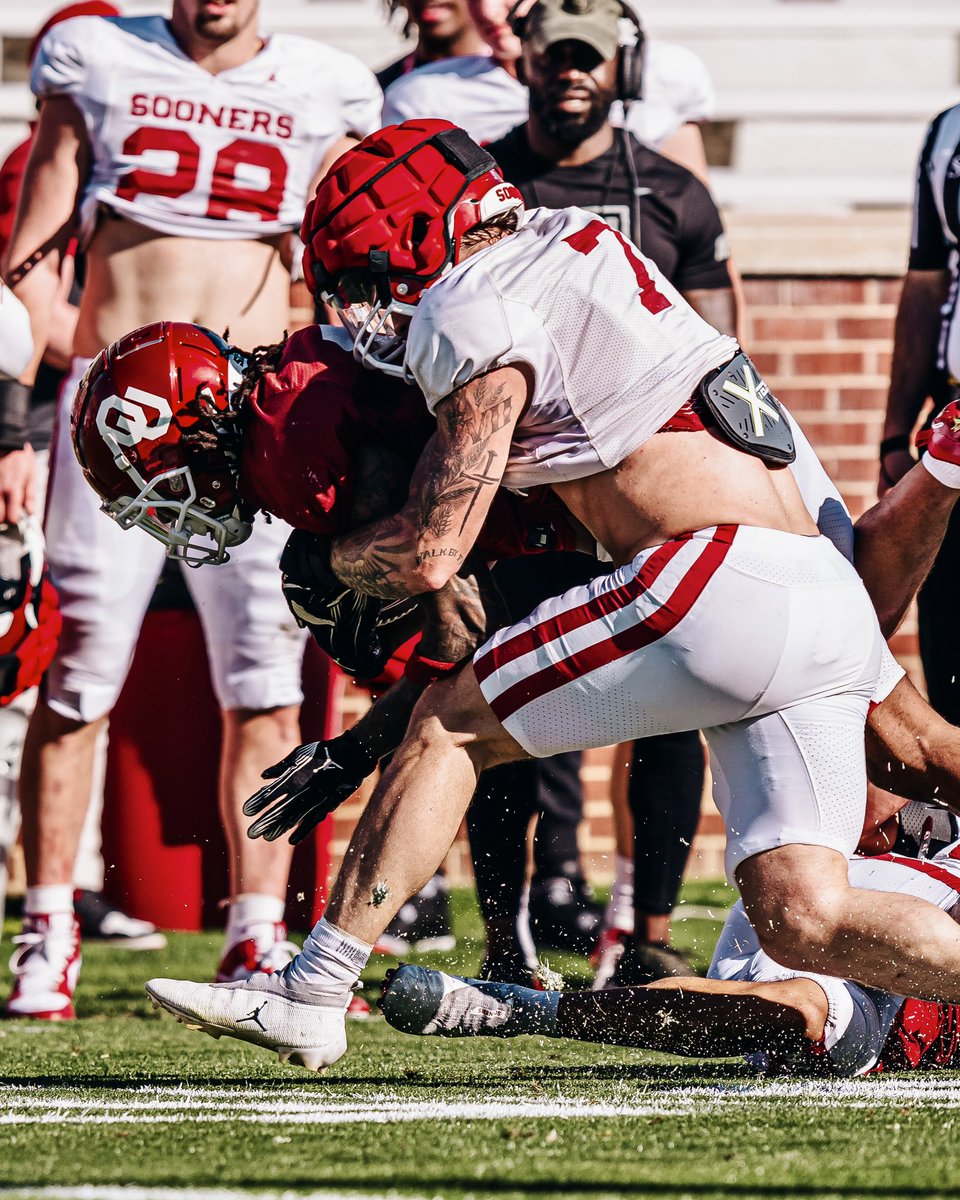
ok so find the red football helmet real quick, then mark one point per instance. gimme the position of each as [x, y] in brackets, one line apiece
[388, 220]
[155, 429]
[30, 619]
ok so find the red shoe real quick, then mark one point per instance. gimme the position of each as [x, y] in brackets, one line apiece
[942, 444]
[45, 965]
[606, 955]
[924, 1035]
[358, 1009]
[266, 950]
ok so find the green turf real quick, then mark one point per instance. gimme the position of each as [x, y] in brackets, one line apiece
[124, 1096]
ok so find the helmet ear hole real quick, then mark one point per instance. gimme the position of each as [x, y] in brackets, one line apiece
[419, 229]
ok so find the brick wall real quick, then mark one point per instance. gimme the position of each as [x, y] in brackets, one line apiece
[823, 345]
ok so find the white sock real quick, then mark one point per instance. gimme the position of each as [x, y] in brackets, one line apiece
[49, 898]
[251, 909]
[947, 473]
[619, 913]
[329, 957]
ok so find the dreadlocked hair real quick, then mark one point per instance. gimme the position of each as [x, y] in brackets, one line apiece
[225, 429]
[262, 360]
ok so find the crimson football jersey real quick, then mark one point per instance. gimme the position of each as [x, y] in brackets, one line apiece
[186, 152]
[307, 421]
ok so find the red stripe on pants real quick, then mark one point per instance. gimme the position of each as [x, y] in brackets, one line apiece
[660, 623]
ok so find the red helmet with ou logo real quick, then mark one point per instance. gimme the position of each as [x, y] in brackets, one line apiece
[156, 432]
[388, 220]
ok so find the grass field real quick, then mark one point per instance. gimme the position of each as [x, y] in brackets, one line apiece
[125, 1097]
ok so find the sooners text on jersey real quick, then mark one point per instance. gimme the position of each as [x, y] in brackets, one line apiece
[186, 152]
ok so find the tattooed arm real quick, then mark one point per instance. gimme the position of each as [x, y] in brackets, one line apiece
[422, 546]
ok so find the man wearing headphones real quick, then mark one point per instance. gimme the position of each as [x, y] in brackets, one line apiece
[567, 152]
[482, 94]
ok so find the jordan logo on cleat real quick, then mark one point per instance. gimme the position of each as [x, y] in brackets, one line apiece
[255, 1016]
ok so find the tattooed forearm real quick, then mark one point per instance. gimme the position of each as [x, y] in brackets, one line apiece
[452, 487]
[456, 480]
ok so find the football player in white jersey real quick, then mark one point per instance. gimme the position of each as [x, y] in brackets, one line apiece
[166, 139]
[483, 95]
[551, 352]
[782, 1020]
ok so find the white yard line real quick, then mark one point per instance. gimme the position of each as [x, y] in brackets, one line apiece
[152, 1104]
[94, 1192]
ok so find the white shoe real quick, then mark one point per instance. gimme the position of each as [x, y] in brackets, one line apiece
[45, 967]
[303, 1026]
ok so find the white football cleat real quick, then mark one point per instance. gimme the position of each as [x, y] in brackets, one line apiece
[303, 1026]
[45, 967]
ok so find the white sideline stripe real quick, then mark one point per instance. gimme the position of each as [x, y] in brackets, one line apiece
[95, 1192]
[303, 1106]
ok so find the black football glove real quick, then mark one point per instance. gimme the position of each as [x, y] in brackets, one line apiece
[357, 631]
[308, 784]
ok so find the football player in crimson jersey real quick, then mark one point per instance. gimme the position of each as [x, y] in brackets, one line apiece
[186, 147]
[301, 432]
[551, 351]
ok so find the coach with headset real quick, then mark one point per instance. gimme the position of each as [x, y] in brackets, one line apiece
[575, 64]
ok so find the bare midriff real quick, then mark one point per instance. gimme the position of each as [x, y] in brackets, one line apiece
[678, 482]
[136, 275]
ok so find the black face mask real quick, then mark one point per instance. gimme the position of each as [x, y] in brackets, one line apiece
[570, 129]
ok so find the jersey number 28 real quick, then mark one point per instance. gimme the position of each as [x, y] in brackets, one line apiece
[226, 193]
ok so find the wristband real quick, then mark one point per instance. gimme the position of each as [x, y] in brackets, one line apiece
[424, 671]
[894, 443]
[14, 407]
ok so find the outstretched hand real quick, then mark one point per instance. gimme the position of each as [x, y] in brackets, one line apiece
[306, 786]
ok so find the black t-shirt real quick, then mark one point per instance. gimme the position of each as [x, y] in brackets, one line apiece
[936, 236]
[680, 226]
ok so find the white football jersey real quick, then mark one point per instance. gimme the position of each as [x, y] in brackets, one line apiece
[615, 350]
[477, 94]
[186, 152]
[472, 91]
[677, 89]
[16, 341]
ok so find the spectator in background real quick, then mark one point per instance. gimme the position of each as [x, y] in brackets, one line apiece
[481, 92]
[568, 153]
[98, 919]
[926, 366]
[159, 245]
[444, 30]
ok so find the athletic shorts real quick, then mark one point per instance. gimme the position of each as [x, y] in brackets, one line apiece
[766, 641]
[106, 576]
[859, 1019]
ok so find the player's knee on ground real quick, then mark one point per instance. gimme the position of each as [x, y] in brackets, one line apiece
[453, 710]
